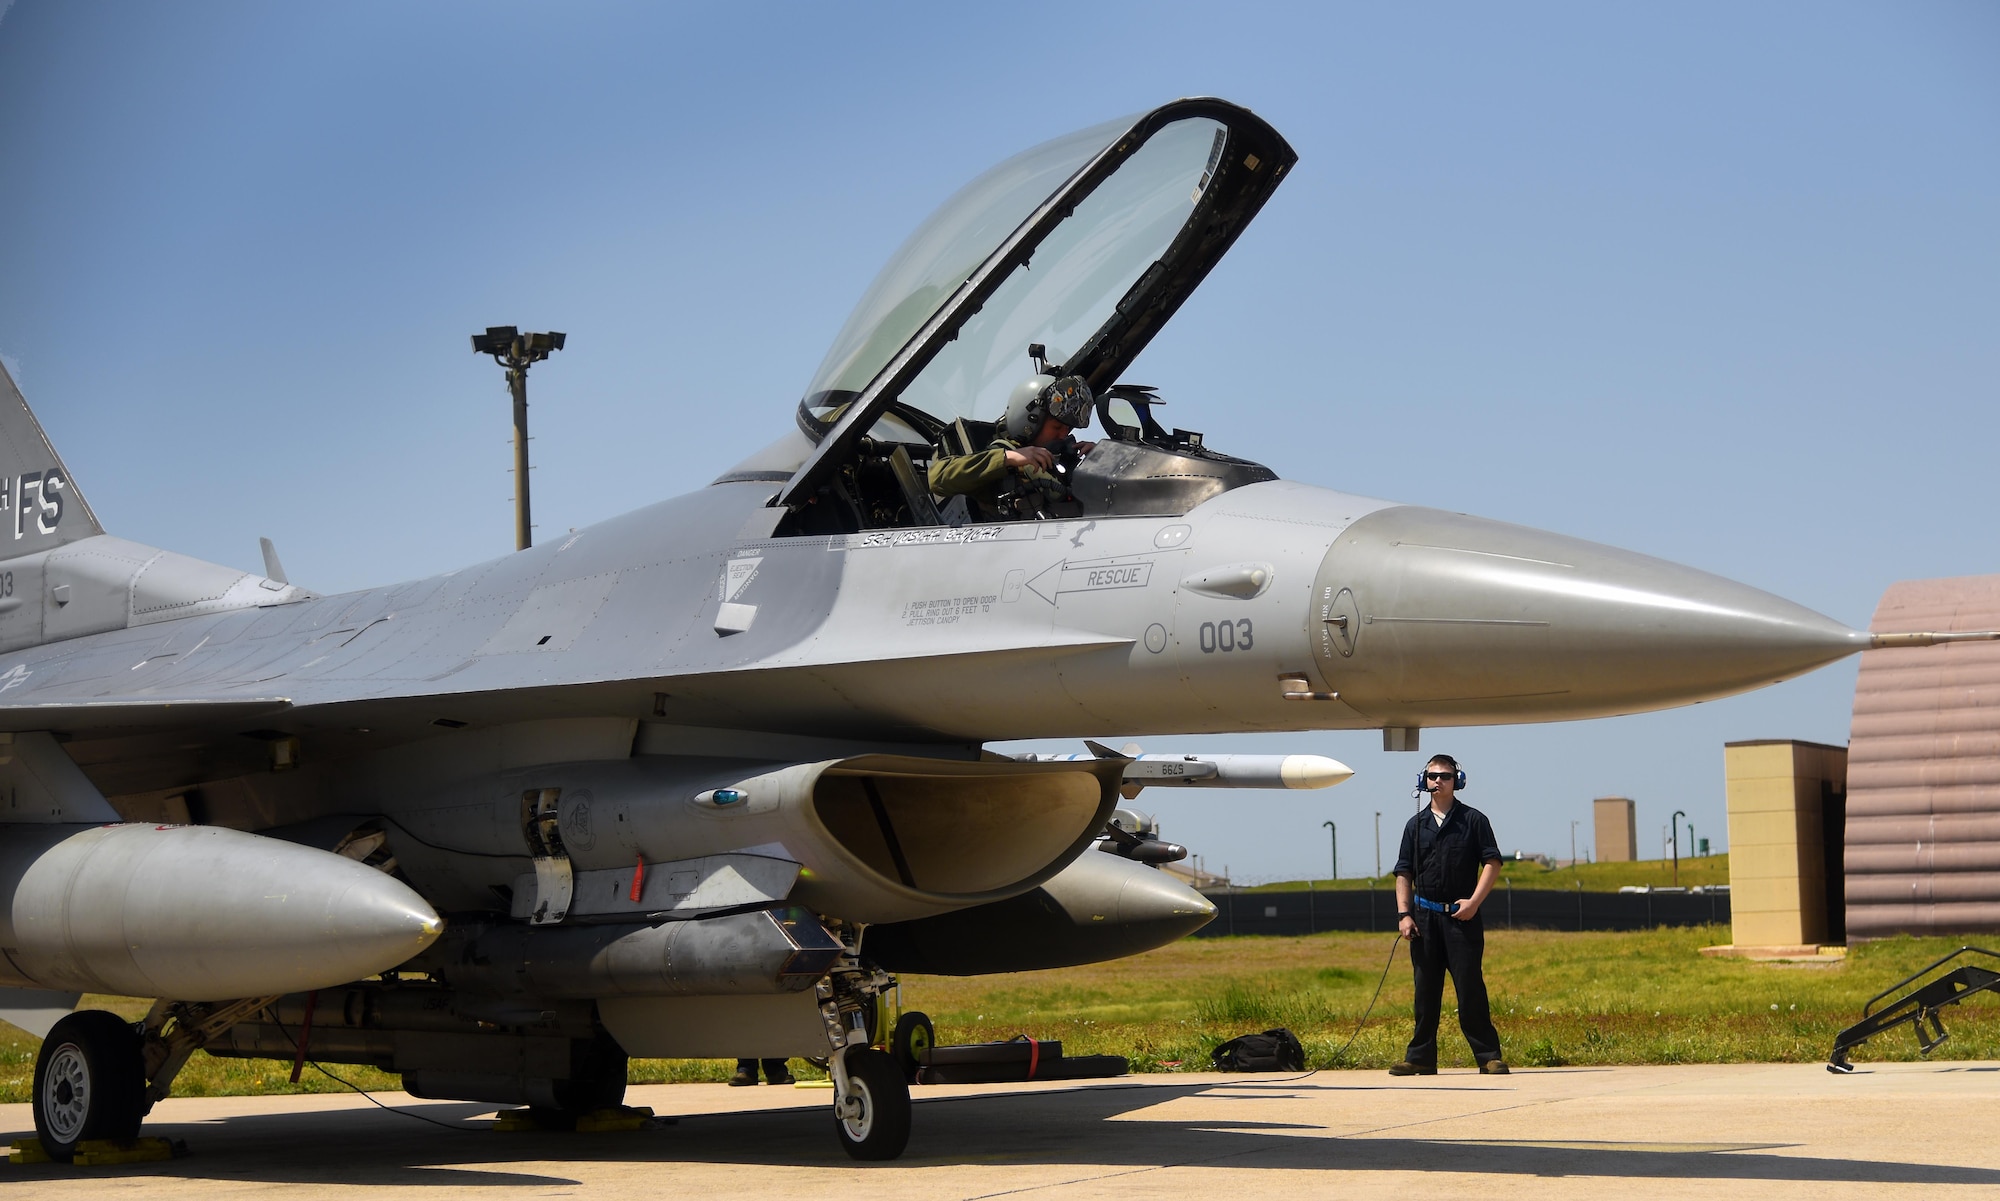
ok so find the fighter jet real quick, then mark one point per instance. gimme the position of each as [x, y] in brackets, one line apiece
[696, 781]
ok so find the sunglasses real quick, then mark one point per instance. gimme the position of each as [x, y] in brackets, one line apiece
[1439, 775]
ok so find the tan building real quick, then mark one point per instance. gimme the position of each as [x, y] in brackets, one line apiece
[1615, 820]
[1923, 813]
[1786, 814]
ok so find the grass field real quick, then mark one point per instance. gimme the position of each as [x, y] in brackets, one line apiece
[1558, 997]
[1594, 877]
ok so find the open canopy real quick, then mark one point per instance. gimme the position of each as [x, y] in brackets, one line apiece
[1085, 245]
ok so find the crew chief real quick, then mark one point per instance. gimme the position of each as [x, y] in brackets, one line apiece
[1448, 854]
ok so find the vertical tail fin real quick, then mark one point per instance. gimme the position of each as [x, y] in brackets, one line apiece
[40, 505]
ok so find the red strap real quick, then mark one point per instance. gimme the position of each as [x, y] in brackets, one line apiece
[1034, 1056]
[305, 1036]
[638, 878]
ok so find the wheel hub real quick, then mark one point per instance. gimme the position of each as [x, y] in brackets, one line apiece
[857, 1111]
[67, 1092]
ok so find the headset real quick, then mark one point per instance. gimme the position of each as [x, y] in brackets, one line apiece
[1424, 789]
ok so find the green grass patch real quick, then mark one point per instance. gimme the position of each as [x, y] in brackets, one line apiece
[1558, 997]
[1594, 877]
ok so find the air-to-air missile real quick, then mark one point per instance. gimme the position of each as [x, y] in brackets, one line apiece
[695, 780]
[1213, 770]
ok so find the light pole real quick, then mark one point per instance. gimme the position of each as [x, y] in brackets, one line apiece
[1378, 844]
[1335, 837]
[1572, 844]
[1676, 821]
[516, 351]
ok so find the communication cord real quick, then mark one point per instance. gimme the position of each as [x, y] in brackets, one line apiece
[1389, 963]
[365, 1094]
[1358, 1026]
[1371, 1001]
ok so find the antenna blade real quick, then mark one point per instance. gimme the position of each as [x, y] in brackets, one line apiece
[272, 568]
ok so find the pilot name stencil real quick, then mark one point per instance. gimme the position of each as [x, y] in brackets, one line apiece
[946, 610]
[939, 537]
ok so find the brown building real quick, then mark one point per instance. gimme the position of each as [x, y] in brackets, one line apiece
[1785, 804]
[1615, 820]
[1923, 802]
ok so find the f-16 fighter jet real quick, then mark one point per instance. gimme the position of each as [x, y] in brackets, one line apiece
[697, 780]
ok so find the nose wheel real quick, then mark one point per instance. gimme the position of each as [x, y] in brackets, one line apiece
[871, 1103]
[90, 1083]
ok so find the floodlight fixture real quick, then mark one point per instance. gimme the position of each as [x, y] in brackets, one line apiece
[516, 352]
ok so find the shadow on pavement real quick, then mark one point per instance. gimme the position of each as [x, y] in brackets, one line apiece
[1089, 1128]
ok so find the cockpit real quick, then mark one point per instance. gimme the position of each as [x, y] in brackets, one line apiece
[1065, 260]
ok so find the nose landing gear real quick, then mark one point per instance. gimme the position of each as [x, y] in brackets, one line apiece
[871, 1103]
[871, 1097]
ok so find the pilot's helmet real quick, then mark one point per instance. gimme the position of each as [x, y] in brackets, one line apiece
[1039, 397]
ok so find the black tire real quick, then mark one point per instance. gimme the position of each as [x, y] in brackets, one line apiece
[911, 1044]
[883, 1129]
[90, 1083]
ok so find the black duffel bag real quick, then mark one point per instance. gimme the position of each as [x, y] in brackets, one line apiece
[1272, 1051]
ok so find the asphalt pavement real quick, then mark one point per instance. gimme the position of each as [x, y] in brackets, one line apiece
[1767, 1131]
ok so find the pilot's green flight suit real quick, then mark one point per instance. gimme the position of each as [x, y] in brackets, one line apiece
[981, 477]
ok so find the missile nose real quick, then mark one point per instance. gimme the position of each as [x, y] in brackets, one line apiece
[1429, 618]
[1314, 771]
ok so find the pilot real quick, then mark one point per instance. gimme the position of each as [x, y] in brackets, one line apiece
[1015, 475]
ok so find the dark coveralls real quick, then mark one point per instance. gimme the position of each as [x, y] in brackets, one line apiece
[1443, 865]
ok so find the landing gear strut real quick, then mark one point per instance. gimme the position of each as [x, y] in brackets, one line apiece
[871, 1099]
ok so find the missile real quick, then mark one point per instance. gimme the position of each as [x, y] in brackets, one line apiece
[195, 913]
[1219, 771]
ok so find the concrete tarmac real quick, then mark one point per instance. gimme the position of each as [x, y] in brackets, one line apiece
[1765, 1131]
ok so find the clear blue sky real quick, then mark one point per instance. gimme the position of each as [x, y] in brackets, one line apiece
[1716, 282]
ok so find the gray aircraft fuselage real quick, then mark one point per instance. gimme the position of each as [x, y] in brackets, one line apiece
[644, 789]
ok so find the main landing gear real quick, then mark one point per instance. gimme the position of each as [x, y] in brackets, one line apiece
[90, 1083]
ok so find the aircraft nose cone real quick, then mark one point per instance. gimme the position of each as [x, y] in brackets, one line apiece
[1428, 618]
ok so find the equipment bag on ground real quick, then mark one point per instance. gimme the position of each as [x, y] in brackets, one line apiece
[1272, 1051]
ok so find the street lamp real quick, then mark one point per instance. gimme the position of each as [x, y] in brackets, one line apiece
[515, 351]
[1335, 836]
[1572, 844]
[1378, 844]
[1676, 820]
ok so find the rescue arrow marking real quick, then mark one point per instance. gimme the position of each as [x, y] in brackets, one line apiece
[1093, 576]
